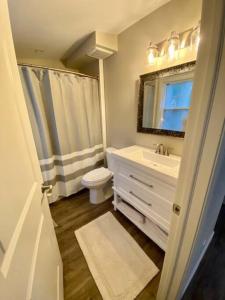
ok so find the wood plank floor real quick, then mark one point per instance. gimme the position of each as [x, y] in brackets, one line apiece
[70, 214]
[208, 281]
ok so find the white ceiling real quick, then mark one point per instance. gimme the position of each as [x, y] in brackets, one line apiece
[56, 25]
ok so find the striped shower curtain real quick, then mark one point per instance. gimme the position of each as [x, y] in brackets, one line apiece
[64, 111]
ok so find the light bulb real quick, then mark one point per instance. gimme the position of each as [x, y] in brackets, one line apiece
[151, 57]
[195, 37]
[171, 50]
[152, 53]
[197, 42]
[173, 44]
[182, 45]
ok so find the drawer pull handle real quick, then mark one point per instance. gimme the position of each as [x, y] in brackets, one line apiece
[166, 233]
[135, 178]
[133, 194]
[134, 208]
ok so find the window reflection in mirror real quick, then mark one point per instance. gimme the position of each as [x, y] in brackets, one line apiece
[166, 100]
[148, 107]
[176, 105]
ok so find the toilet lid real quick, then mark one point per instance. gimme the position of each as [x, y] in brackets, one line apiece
[97, 175]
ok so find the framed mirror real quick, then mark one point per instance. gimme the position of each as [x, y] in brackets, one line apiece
[165, 99]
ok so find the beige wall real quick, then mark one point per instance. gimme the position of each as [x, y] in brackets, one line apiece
[91, 68]
[123, 69]
[51, 63]
[41, 62]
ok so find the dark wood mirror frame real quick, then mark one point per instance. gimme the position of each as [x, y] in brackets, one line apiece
[149, 77]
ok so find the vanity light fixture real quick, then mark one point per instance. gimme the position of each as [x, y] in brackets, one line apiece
[152, 53]
[174, 42]
[195, 36]
[175, 47]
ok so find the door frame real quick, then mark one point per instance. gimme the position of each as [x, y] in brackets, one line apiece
[200, 151]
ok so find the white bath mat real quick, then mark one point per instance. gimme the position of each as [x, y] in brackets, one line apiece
[119, 266]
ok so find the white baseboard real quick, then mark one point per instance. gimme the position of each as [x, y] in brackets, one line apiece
[197, 265]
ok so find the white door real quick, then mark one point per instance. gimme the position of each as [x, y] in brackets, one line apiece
[30, 262]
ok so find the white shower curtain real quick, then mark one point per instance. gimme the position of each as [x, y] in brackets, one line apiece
[64, 111]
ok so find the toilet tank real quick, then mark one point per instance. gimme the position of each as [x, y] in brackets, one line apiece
[109, 158]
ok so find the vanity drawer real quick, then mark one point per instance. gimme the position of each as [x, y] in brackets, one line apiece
[147, 181]
[153, 202]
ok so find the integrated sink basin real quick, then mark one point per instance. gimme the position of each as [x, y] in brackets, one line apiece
[168, 165]
[147, 156]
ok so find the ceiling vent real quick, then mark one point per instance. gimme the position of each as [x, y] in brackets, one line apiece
[97, 46]
[100, 52]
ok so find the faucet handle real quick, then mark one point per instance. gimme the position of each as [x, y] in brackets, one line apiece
[166, 151]
[157, 148]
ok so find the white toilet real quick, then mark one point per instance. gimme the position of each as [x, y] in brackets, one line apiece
[98, 181]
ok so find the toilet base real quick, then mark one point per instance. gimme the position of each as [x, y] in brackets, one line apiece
[99, 195]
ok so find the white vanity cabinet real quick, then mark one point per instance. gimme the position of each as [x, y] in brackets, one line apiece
[143, 193]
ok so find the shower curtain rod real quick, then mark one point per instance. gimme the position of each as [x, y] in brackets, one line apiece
[58, 70]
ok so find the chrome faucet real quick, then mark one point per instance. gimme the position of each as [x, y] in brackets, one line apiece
[161, 149]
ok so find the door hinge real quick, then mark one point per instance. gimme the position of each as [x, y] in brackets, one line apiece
[2, 248]
[176, 209]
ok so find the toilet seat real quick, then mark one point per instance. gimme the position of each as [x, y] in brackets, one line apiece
[96, 177]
